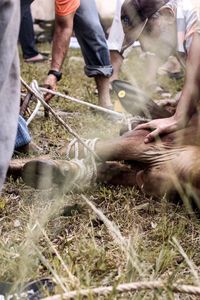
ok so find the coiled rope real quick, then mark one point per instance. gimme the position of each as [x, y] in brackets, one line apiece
[74, 145]
[87, 167]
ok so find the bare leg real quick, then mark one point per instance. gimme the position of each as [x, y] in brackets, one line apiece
[116, 61]
[102, 83]
[127, 147]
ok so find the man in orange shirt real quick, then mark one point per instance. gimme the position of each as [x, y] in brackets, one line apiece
[85, 22]
[65, 11]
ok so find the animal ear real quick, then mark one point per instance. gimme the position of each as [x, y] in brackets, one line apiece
[140, 176]
[168, 14]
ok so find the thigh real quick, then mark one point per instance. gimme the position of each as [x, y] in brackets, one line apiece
[91, 38]
[86, 20]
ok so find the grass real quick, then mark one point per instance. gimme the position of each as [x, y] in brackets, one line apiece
[126, 237]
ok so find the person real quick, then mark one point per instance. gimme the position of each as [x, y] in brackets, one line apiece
[90, 34]
[91, 38]
[171, 67]
[115, 41]
[23, 141]
[9, 81]
[164, 27]
[26, 35]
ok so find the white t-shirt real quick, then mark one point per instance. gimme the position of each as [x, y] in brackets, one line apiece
[187, 17]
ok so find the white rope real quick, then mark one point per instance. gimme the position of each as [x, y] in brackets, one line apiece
[129, 124]
[34, 113]
[127, 288]
[108, 111]
[69, 147]
[74, 145]
[87, 167]
[86, 172]
[34, 89]
[125, 118]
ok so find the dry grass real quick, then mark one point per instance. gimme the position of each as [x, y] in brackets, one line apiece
[128, 237]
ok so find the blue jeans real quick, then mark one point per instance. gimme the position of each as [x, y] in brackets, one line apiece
[91, 38]
[23, 137]
[26, 34]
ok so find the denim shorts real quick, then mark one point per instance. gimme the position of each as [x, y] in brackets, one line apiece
[23, 137]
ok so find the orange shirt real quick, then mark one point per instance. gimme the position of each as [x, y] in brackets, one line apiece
[66, 7]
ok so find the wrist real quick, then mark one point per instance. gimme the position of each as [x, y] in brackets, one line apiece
[181, 119]
[56, 74]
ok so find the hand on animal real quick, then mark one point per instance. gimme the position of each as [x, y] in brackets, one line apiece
[160, 126]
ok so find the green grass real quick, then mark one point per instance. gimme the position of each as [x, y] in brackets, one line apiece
[137, 245]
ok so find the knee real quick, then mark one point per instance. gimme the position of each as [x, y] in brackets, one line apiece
[98, 33]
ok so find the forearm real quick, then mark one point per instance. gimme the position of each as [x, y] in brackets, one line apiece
[191, 90]
[60, 46]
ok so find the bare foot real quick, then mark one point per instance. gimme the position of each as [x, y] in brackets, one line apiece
[38, 58]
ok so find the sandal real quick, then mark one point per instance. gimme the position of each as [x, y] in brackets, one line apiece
[35, 59]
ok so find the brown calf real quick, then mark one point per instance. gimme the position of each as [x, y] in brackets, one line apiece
[163, 167]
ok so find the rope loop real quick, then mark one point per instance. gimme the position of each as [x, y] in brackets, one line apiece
[74, 147]
[87, 166]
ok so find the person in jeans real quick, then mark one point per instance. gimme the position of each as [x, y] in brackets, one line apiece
[92, 40]
[27, 36]
[9, 81]
[23, 141]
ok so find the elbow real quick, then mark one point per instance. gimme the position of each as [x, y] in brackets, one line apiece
[63, 31]
[63, 27]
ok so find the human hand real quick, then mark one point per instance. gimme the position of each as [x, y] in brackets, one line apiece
[50, 83]
[160, 126]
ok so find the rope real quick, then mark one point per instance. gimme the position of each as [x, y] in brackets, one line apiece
[87, 168]
[34, 89]
[74, 145]
[125, 118]
[128, 287]
[34, 113]
[108, 111]
[86, 172]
